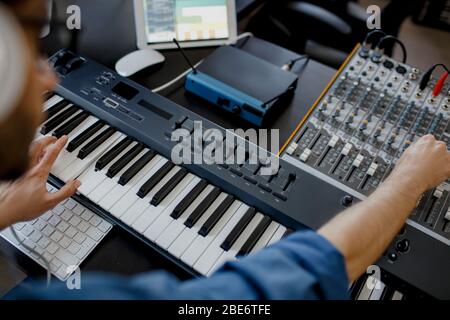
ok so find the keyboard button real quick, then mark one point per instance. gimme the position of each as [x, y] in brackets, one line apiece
[52, 248]
[48, 230]
[254, 237]
[65, 242]
[95, 143]
[83, 226]
[74, 221]
[66, 257]
[238, 229]
[35, 236]
[43, 242]
[187, 201]
[71, 232]
[95, 220]
[277, 235]
[200, 210]
[94, 233]
[168, 187]
[113, 153]
[85, 135]
[70, 125]
[58, 120]
[216, 216]
[124, 160]
[135, 168]
[70, 204]
[155, 179]
[79, 237]
[62, 226]
[66, 215]
[87, 215]
[104, 226]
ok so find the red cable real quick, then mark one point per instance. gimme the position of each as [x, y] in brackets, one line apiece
[438, 87]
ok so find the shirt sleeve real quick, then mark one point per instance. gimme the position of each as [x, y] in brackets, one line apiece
[301, 266]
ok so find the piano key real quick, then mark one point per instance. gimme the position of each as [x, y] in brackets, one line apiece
[91, 178]
[265, 237]
[117, 190]
[134, 169]
[120, 198]
[122, 208]
[216, 216]
[233, 251]
[85, 135]
[378, 291]
[397, 295]
[254, 237]
[78, 166]
[88, 148]
[189, 234]
[70, 126]
[55, 108]
[277, 235]
[183, 205]
[112, 153]
[214, 251]
[287, 232]
[51, 102]
[366, 290]
[155, 179]
[150, 213]
[65, 157]
[201, 243]
[166, 189]
[238, 229]
[102, 190]
[53, 123]
[180, 191]
[124, 160]
[177, 226]
[202, 208]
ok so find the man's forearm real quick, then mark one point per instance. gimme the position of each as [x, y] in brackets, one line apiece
[364, 231]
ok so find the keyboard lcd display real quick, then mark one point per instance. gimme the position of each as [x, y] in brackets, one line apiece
[125, 91]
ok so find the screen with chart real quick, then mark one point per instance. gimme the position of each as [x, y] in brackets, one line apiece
[185, 20]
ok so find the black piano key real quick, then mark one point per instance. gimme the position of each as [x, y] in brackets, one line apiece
[287, 232]
[112, 153]
[53, 110]
[168, 187]
[95, 143]
[48, 95]
[124, 160]
[187, 201]
[69, 127]
[58, 120]
[238, 229]
[85, 135]
[136, 167]
[216, 216]
[254, 237]
[202, 207]
[154, 179]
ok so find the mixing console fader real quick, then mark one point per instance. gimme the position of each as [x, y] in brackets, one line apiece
[359, 127]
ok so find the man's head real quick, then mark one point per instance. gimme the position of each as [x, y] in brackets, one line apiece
[17, 130]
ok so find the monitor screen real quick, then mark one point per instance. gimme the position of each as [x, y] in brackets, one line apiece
[185, 20]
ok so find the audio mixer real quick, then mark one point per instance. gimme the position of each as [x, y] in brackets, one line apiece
[370, 113]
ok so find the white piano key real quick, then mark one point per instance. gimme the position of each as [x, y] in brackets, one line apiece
[265, 237]
[177, 226]
[231, 254]
[130, 197]
[106, 185]
[109, 198]
[188, 235]
[174, 198]
[51, 102]
[277, 235]
[366, 289]
[397, 295]
[65, 157]
[150, 212]
[214, 251]
[91, 179]
[378, 290]
[78, 166]
[200, 244]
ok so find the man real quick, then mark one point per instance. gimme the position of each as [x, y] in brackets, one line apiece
[305, 265]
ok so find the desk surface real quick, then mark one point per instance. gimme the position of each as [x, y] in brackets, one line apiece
[120, 252]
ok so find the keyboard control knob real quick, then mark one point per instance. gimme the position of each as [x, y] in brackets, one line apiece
[347, 201]
[403, 246]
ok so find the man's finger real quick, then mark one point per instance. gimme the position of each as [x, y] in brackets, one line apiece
[65, 192]
[38, 147]
[52, 153]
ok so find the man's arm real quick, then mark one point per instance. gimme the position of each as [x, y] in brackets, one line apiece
[363, 232]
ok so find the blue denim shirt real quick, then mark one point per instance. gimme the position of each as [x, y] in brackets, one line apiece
[301, 266]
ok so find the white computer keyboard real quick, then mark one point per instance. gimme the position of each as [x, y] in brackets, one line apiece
[64, 235]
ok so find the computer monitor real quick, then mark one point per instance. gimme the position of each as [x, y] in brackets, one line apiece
[193, 23]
